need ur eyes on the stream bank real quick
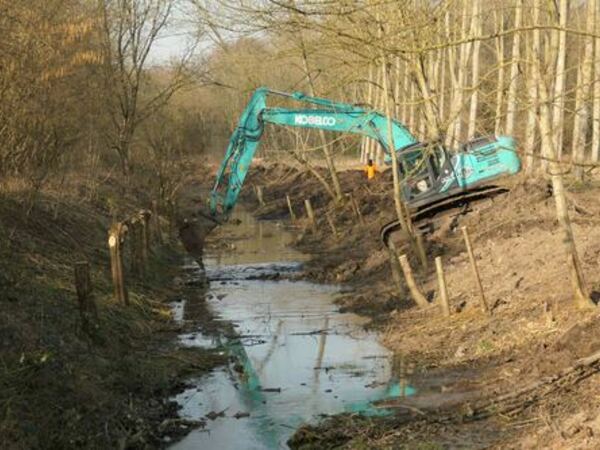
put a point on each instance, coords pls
(107, 386)
(535, 332)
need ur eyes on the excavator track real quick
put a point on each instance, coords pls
(424, 217)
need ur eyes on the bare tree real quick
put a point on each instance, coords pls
(549, 150)
(130, 31)
(337, 188)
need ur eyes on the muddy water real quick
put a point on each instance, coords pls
(296, 357)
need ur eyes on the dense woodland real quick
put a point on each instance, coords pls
(78, 84)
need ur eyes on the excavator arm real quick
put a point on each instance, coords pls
(324, 114)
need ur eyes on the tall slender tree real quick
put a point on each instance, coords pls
(511, 106)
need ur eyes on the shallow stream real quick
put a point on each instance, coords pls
(297, 357)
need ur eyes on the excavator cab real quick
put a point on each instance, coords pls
(421, 166)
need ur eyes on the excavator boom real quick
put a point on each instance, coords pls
(430, 174)
(325, 115)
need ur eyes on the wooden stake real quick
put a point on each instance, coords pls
(415, 293)
(442, 288)
(310, 214)
(483, 301)
(395, 265)
(421, 250)
(331, 224)
(289, 203)
(259, 195)
(83, 285)
(116, 263)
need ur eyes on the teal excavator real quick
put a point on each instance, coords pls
(432, 177)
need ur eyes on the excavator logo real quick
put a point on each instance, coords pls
(321, 121)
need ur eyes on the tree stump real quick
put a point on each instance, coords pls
(115, 241)
(442, 288)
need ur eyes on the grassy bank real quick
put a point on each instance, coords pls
(61, 387)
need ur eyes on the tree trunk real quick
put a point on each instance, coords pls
(406, 94)
(583, 91)
(596, 90)
(411, 110)
(532, 111)
(454, 132)
(366, 142)
(429, 108)
(404, 221)
(511, 107)
(397, 87)
(501, 70)
(337, 188)
(559, 86)
(441, 87)
(549, 149)
(475, 71)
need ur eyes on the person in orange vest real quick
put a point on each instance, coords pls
(370, 170)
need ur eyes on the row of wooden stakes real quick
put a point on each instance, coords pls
(138, 233)
(402, 260)
(418, 296)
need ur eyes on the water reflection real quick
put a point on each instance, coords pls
(296, 359)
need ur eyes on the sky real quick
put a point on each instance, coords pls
(175, 38)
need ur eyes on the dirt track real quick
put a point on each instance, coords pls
(534, 331)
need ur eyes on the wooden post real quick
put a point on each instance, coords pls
(157, 231)
(415, 293)
(310, 214)
(331, 224)
(144, 217)
(83, 285)
(395, 265)
(442, 288)
(421, 250)
(289, 203)
(116, 263)
(483, 301)
(259, 195)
